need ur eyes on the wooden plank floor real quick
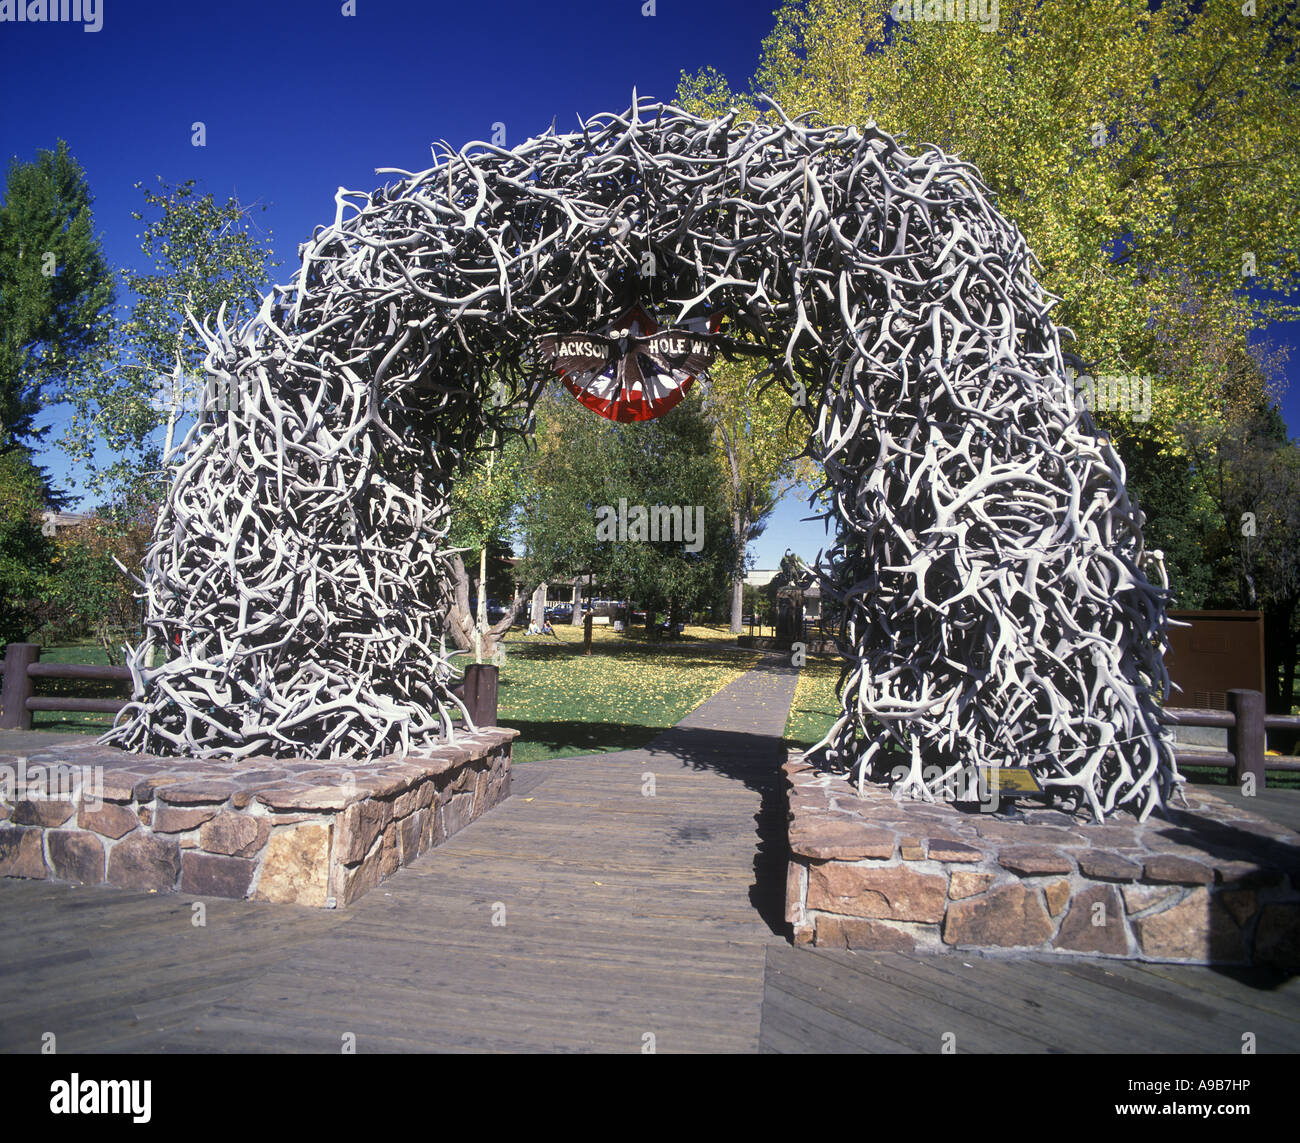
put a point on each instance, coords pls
(625, 916)
(826, 1000)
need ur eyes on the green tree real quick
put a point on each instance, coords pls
(573, 454)
(758, 437)
(756, 604)
(25, 551)
(204, 258)
(482, 503)
(56, 290)
(1147, 155)
(585, 466)
(86, 591)
(1179, 488)
(1182, 521)
(1252, 474)
(1143, 152)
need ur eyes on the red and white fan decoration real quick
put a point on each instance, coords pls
(632, 370)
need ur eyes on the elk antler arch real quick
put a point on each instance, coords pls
(987, 554)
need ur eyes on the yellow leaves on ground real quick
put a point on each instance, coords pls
(816, 704)
(621, 683)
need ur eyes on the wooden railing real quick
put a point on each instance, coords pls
(1247, 726)
(22, 666)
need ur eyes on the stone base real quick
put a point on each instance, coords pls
(1210, 884)
(307, 832)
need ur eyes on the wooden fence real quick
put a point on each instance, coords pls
(22, 667)
(1247, 726)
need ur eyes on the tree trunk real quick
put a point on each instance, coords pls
(739, 533)
(460, 616)
(102, 634)
(461, 623)
(156, 654)
(576, 618)
(737, 603)
(482, 623)
(741, 522)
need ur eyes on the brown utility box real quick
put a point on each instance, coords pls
(1219, 652)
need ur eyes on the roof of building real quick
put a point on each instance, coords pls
(65, 519)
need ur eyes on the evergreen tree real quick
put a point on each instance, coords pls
(584, 468)
(56, 291)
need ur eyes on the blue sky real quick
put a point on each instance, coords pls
(298, 99)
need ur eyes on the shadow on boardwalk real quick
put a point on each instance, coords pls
(752, 759)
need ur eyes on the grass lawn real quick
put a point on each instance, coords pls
(815, 706)
(1218, 776)
(617, 698)
(564, 702)
(604, 633)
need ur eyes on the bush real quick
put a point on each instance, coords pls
(87, 593)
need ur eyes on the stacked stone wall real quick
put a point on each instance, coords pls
(310, 833)
(1211, 884)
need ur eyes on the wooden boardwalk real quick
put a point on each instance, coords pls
(827, 1000)
(625, 916)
